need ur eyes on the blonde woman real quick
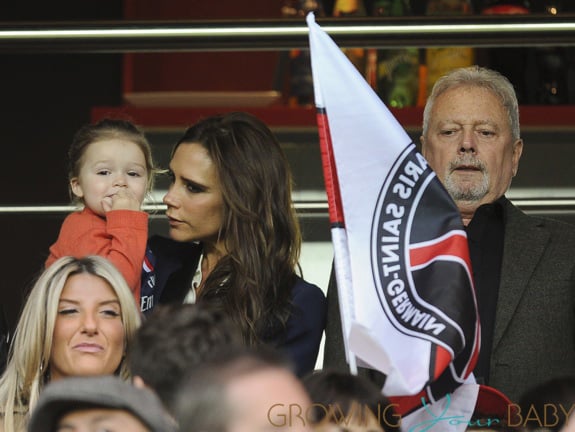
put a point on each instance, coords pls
(78, 320)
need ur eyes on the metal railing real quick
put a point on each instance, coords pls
(308, 209)
(282, 34)
(311, 208)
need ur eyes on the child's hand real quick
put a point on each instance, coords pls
(124, 199)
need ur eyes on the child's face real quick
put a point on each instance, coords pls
(108, 167)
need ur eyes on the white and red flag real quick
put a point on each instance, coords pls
(401, 257)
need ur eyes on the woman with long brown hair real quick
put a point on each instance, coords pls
(230, 202)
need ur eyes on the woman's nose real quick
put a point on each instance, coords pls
(169, 199)
(89, 324)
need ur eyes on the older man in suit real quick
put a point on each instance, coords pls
(523, 266)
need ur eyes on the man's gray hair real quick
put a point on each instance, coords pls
(477, 76)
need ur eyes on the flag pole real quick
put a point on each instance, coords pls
(338, 233)
(342, 263)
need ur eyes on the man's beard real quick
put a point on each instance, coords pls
(467, 192)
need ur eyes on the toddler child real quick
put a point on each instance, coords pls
(110, 171)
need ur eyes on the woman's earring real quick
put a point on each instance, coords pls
(44, 372)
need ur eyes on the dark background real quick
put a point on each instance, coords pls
(45, 99)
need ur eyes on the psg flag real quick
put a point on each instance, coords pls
(400, 250)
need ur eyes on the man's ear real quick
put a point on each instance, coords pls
(517, 151)
(138, 382)
(422, 142)
(76, 188)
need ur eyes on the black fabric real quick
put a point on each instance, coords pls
(175, 265)
(485, 234)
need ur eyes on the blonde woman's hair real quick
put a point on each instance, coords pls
(28, 362)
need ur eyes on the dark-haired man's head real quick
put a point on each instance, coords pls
(174, 340)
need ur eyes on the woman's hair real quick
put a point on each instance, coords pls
(336, 396)
(28, 363)
(108, 129)
(475, 76)
(260, 228)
